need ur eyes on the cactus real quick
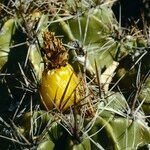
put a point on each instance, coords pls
(71, 77)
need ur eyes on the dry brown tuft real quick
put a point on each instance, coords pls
(55, 54)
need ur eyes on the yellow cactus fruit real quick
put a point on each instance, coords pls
(59, 85)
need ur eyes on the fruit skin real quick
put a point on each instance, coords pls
(59, 88)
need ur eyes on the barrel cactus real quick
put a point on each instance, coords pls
(71, 77)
